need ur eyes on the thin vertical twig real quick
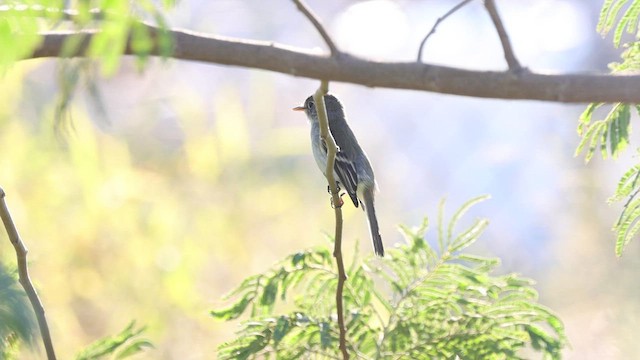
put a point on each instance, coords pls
(318, 25)
(23, 275)
(327, 137)
(440, 19)
(509, 55)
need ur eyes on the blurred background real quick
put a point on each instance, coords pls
(185, 178)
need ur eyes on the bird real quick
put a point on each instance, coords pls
(352, 168)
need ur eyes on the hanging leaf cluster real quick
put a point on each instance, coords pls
(611, 134)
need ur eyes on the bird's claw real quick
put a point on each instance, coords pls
(337, 188)
(340, 201)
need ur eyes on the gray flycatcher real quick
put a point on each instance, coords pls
(352, 168)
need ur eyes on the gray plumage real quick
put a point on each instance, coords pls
(352, 169)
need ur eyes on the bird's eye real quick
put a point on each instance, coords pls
(310, 105)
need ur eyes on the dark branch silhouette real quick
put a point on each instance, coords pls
(318, 25)
(435, 26)
(509, 55)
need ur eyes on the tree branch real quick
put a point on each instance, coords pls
(513, 63)
(23, 276)
(440, 19)
(332, 150)
(567, 88)
(318, 25)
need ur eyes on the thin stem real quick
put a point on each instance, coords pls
(23, 276)
(319, 27)
(440, 19)
(328, 139)
(509, 55)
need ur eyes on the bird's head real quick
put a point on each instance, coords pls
(309, 107)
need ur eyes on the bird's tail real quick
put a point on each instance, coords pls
(373, 222)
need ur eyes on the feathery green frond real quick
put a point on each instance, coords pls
(613, 131)
(123, 345)
(17, 322)
(628, 223)
(628, 22)
(418, 302)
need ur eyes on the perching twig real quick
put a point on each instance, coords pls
(440, 19)
(318, 25)
(23, 276)
(328, 139)
(513, 63)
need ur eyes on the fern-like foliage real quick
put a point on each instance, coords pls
(419, 302)
(611, 134)
(612, 130)
(17, 321)
(628, 222)
(127, 343)
(628, 22)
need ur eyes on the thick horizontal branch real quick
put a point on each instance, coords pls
(567, 88)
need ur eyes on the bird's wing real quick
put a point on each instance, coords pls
(345, 170)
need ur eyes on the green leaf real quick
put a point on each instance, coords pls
(281, 329)
(141, 42)
(468, 237)
(325, 335)
(483, 262)
(18, 35)
(619, 29)
(441, 238)
(269, 293)
(297, 258)
(628, 223)
(612, 11)
(618, 128)
(126, 343)
(631, 17)
(597, 134)
(627, 184)
(234, 311)
(16, 316)
(135, 347)
(604, 23)
(614, 128)
(593, 134)
(461, 212)
(585, 117)
(627, 226)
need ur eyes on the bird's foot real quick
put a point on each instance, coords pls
(337, 187)
(340, 202)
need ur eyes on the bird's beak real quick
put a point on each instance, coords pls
(298, 108)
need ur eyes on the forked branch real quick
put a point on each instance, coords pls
(435, 26)
(509, 55)
(318, 25)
